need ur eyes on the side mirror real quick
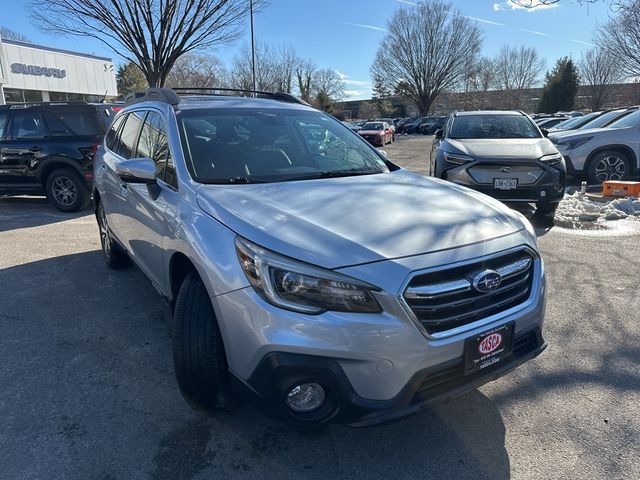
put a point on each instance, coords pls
(545, 132)
(439, 133)
(137, 170)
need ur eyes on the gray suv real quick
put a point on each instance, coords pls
(503, 154)
(305, 271)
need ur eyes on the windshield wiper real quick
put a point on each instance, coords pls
(234, 180)
(333, 174)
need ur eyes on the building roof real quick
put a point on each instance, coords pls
(56, 50)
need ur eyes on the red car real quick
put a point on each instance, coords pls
(377, 134)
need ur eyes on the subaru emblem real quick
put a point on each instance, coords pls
(505, 169)
(487, 281)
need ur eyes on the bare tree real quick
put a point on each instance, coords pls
(305, 71)
(151, 33)
(194, 70)
(8, 34)
(426, 51)
(599, 70)
(328, 83)
(274, 68)
(620, 36)
(517, 70)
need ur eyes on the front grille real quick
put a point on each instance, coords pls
(447, 298)
(526, 173)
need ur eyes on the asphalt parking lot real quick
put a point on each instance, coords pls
(88, 392)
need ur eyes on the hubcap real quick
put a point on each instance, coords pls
(610, 168)
(64, 191)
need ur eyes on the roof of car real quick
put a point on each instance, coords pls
(488, 112)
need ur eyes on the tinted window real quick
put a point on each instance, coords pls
(129, 134)
(3, 123)
(493, 126)
(153, 144)
(603, 120)
(630, 120)
(27, 124)
(243, 145)
(73, 122)
(373, 126)
(112, 134)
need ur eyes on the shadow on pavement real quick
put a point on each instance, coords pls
(87, 380)
(26, 212)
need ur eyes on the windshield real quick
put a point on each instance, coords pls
(602, 120)
(493, 126)
(576, 122)
(630, 120)
(271, 145)
(372, 126)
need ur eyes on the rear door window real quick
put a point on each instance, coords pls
(27, 124)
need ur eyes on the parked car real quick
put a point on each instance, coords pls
(400, 126)
(48, 148)
(430, 126)
(602, 154)
(106, 113)
(599, 121)
(503, 154)
(550, 122)
(322, 285)
(412, 126)
(377, 133)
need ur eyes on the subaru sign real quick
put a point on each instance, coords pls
(37, 71)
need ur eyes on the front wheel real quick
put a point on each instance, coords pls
(114, 257)
(198, 352)
(66, 190)
(609, 165)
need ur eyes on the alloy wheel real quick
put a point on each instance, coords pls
(64, 191)
(610, 167)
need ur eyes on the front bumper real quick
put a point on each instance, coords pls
(278, 372)
(546, 186)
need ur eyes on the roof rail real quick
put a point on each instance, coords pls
(159, 94)
(285, 97)
(43, 104)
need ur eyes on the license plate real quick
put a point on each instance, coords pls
(488, 348)
(505, 183)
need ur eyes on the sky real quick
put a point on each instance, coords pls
(345, 34)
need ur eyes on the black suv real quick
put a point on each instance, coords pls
(48, 148)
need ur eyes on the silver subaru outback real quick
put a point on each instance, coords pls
(305, 271)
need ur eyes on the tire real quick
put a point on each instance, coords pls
(198, 352)
(114, 257)
(66, 190)
(608, 165)
(546, 209)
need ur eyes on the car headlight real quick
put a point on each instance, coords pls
(301, 287)
(457, 158)
(571, 144)
(552, 159)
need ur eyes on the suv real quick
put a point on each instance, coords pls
(601, 154)
(315, 278)
(48, 149)
(503, 154)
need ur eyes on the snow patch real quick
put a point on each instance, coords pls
(578, 211)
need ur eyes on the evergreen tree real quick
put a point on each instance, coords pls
(561, 87)
(130, 79)
(324, 102)
(381, 94)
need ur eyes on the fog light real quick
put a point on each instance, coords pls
(305, 397)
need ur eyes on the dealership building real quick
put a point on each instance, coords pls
(33, 73)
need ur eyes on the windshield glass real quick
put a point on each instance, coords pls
(271, 145)
(602, 120)
(372, 126)
(630, 120)
(493, 126)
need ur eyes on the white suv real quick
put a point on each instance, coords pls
(602, 154)
(305, 271)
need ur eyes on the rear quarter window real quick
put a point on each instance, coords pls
(72, 123)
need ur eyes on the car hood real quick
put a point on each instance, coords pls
(353, 220)
(512, 148)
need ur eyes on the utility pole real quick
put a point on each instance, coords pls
(253, 47)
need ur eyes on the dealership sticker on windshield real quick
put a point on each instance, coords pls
(488, 348)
